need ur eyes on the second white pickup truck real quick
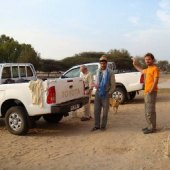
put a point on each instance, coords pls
(127, 83)
(24, 98)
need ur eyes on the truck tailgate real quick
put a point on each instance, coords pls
(69, 89)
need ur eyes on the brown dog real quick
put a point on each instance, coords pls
(114, 103)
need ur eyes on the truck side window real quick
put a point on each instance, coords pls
(92, 69)
(73, 73)
(22, 71)
(15, 72)
(6, 73)
(29, 72)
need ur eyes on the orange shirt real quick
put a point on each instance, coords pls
(151, 73)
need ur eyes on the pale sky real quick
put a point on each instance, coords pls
(62, 28)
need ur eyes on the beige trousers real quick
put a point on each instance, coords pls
(150, 110)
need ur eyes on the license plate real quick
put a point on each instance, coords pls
(74, 107)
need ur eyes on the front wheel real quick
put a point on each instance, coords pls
(17, 121)
(53, 118)
(120, 94)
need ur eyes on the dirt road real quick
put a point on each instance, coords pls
(70, 144)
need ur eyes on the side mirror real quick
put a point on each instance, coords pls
(62, 76)
(115, 71)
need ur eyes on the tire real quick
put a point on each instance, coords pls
(131, 95)
(53, 118)
(17, 121)
(120, 94)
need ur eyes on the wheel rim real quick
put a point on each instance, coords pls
(117, 95)
(15, 121)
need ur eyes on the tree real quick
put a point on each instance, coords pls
(28, 55)
(121, 58)
(49, 65)
(163, 65)
(12, 51)
(81, 58)
(9, 49)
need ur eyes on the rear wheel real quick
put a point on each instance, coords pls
(53, 118)
(120, 94)
(17, 121)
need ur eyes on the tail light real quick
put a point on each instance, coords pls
(142, 79)
(51, 97)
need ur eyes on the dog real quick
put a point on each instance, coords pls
(114, 103)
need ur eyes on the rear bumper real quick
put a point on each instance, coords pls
(69, 106)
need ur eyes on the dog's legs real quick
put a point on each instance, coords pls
(116, 110)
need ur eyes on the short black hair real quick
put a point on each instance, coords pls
(101, 61)
(150, 55)
(103, 58)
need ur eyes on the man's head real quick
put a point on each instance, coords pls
(83, 69)
(103, 62)
(149, 59)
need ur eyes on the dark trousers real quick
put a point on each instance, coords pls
(101, 106)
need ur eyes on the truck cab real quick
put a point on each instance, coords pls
(92, 67)
(16, 72)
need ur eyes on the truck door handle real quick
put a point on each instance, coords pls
(71, 86)
(69, 80)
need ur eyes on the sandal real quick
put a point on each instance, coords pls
(85, 118)
(94, 129)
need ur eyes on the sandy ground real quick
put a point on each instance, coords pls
(70, 145)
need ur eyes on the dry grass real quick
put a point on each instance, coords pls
(164, 77)
(166, 90)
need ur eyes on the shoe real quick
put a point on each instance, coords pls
(90, 117)
(144, 129)
(85, 118)
(95, 128)
(147, 131)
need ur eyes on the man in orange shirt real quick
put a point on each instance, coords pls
(150, 92)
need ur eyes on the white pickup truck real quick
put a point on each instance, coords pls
(24, 98)
(127, 83)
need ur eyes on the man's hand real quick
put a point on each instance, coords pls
(136, 66)
(134, 60)
(94, 85)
